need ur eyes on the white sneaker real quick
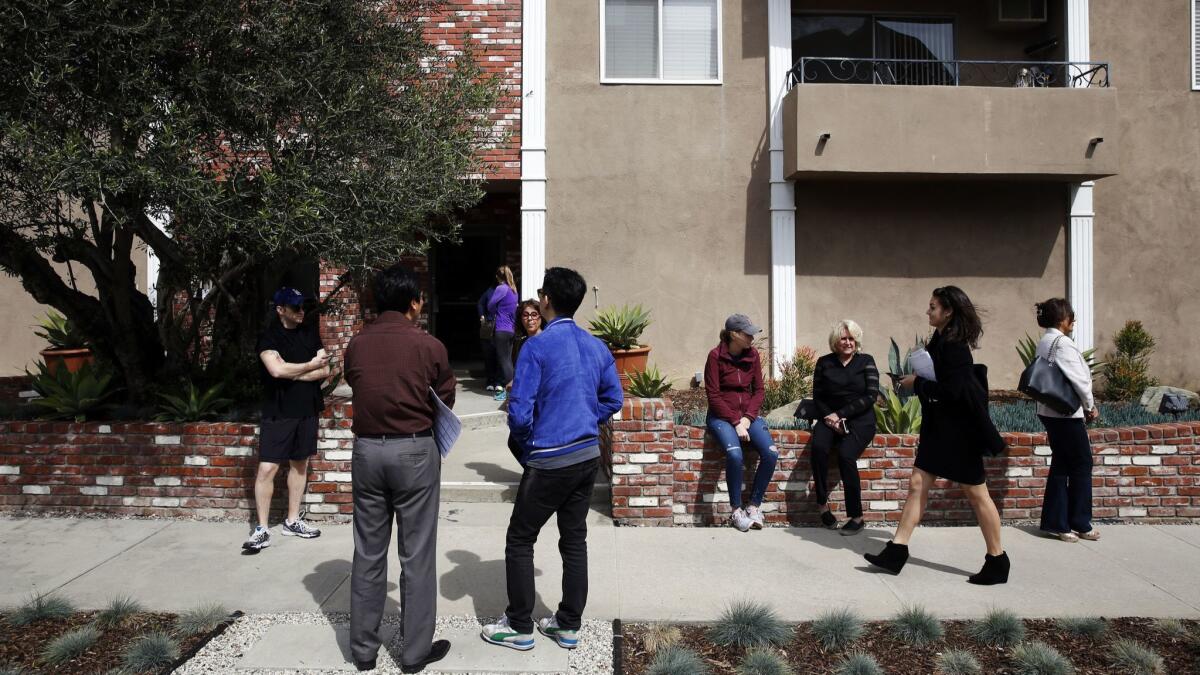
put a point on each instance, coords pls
(756, 517)
(740, 520)
(567, 639)
(500, 633)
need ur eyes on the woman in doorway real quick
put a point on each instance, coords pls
(530, 324)
(956, 432)
(1067, 503)
(845, 384)
(503, 307)
(734, 386)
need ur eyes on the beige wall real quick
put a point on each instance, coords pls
(658, 194)
(1146, 244)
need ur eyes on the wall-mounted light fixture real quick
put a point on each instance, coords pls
(825, 137)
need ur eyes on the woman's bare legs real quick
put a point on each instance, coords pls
(914, 505)
(987, 515)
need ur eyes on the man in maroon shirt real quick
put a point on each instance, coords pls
(392, 365)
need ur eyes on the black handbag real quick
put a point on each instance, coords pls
(1043, 382)
(807, 410)
(487, 329)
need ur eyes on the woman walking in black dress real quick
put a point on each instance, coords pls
(956, 431)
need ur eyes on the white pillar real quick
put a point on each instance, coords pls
(533, 146)
(783, 193)
(1079, 197)
(160, 221)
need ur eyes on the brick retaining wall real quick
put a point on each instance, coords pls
(666, 474)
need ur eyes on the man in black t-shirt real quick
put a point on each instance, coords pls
(293, 366)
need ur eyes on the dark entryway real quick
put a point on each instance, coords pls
(461, 273)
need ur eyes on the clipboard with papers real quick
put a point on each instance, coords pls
(446, 425)
(922, 365)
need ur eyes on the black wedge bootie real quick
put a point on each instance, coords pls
(891, 558)
(995, 570)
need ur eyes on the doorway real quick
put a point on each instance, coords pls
(461, 273)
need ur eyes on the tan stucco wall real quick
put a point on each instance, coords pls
(658, 194)
(1146, 242)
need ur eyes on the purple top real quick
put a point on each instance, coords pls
(503, 306)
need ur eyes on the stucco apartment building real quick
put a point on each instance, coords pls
(803, 161)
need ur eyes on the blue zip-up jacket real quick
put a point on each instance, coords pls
(565, 386)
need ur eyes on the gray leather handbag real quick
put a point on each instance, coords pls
(1043, 382)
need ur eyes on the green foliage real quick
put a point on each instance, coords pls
(40, 608)
(898, 416)
(192, 405)
(837, 628)
(1130, 657)
(72, 396)
(1127, 371)
(675, 660)
(858, 663)
(958, 662)
(1023, 416)
(69, 645)
(6, 669)
(764, 662)
(916, 626)
(60, 332)
(1083, 626)
(151, 652)
(119, 608)
(794, 381)
(1173, 628)
(899, 366)
(746, 623)
(202, 619)
(620, 327)
(648, 383)
(1039, 658)
(998, 628)
(1027, 350)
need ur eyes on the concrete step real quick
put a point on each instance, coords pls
(492, 492)
(484, 420)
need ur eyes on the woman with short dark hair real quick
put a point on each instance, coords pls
(1067, 501)
(956, 432)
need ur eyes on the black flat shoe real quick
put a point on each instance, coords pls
(891, 558)
(365, 665)
(829, 520)
(437, 652)
(852, 527)
(994, 571)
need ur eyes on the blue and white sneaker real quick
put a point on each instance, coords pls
(259, 539)
(567, 639)
(500, 633)
(299, 528)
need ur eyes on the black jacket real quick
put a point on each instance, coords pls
(954, 411)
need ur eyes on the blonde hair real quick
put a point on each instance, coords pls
(505, 276)
(849, 326)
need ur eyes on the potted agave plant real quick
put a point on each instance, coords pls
(620, 328)
(68, 347)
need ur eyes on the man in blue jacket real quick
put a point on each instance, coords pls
(565, 386)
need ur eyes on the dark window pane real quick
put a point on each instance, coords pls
(832, 36)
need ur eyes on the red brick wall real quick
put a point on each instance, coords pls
(667, 474)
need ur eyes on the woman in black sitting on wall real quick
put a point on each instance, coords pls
(845, 384)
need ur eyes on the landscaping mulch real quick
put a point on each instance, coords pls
(1090, 657)
(22, 645)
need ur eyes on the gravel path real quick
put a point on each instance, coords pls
(592, 657)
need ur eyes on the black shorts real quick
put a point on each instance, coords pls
(283, 438)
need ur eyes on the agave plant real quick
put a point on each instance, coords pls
(60, 332)
(621, 327)
(74, 396)
(899, 366)
(1027, 350)
(192, 405)
(898, 417)
(649, 383)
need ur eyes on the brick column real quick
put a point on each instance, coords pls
(643, 466)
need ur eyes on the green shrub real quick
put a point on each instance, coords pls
(119, 608)
(764, 662)
(1172, 628)
(794, 381)
(1126, 374)
(1027, 350)
(915, 626)
(153, 651)
(958, 662)
(745, 623)
(648, 383)
(192, 405)
(70, 645)
(1089, 627)
(837, 628)
(858, 663)
(676, 660)
(620, 328)
(6, 669)
(896, 415)
(72, 396)
(40, 608)
(201, 619)
(1130, 657)
(999, 628)
(60, 332)
(1039, 658)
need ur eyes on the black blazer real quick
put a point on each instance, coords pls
(954, 411)
(848, 390)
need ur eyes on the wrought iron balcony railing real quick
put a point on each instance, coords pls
(948, 73)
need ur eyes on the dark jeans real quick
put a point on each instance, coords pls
(490, 372)
(849, 448)
(544, 492)
(1067, 504)
(502, 343)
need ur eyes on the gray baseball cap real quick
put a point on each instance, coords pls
(742, 323)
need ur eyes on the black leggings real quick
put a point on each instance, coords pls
(502, 342)
(849, 448)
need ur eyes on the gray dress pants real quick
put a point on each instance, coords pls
(401, 478)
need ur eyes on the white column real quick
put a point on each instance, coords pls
(160, 221)
(783, 193)
(533, 146)
(1079, 197)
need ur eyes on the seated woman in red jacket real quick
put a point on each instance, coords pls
(733, 383)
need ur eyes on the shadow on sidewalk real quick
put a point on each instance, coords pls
(870, 540)
(484, 581)
(313, 583)
(494, 472)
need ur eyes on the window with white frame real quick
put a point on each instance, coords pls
(660, 41)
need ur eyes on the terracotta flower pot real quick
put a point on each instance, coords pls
(71, 359)
(630, 361)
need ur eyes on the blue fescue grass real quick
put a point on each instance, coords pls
(676, 660)
(40, 608)
(119, 608)
(201, 619)
(859, 663)
(762, 661)
(745, 623)
(1039, 658)
(836, 628)
(1133, 659)
(152, 651)
(69, 645)
(916, 626)
(999, 628)
(1083, 626)
(958, 662)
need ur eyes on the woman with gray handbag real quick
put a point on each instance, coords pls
(1067, 503)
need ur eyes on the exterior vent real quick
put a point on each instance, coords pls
(1022, 11)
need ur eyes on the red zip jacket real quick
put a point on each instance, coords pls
(734, 389)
